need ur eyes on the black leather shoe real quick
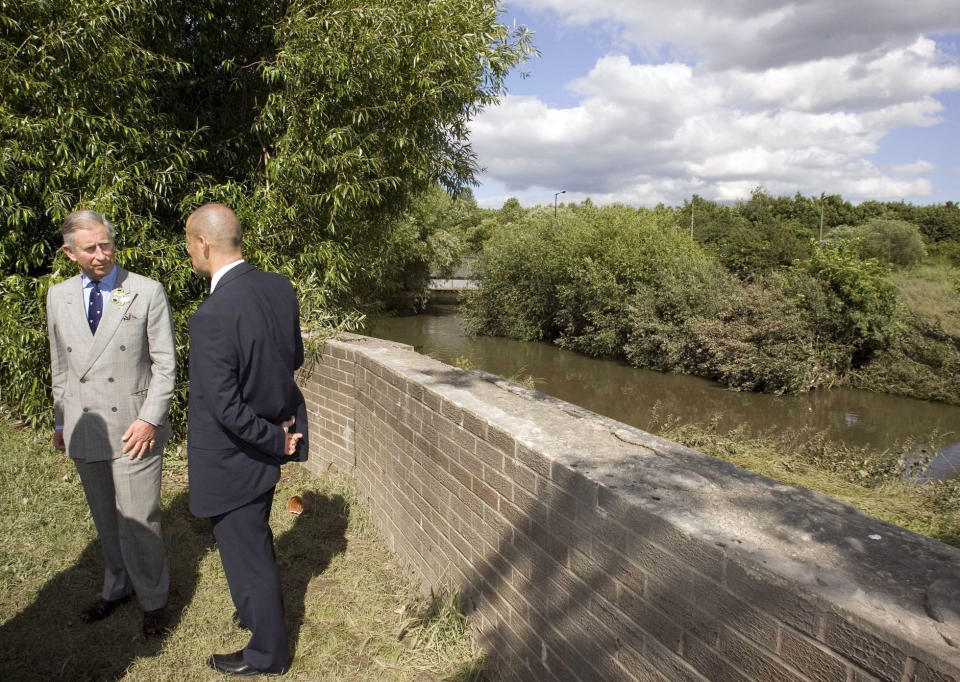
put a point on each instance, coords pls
(233, 664)
(238, 621)
(154, 622)
(102, 608)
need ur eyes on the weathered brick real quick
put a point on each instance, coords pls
(498, 482)
(520, 474)
(451, 411)
(533, 460)
(413, 389)
(532, 506)
(533, 565)
(651, 620)
(585, 568)
(708, 662)
(815, 660)
(924, 673)
(672, 666)
(574, 483)
(489, 455)
(486, 494)
(556, 499)
(514, 515)
(470, 501)
(548, 542)
(609, 669)
(672, 594)
(431, 400)
(501, 440)
(499, 525)
(465, 439)
(881, 657)
(773, 595)
(735, 613)
(757, 662)
(563, 658)
(658, 563)
(474, 425)
(639, 668)
(471, 463)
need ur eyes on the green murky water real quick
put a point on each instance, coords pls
(629, 395)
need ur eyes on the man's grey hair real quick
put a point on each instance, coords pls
(79, 219)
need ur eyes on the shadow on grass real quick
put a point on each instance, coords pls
(305, 550)
(473, 671)
(47, 640)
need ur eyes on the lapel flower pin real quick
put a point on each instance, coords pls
(120, 298)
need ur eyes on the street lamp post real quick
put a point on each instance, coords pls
(555, 195)
(821, 216)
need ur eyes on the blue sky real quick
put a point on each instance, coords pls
(643, 101)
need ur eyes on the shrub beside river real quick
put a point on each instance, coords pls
(632, 284)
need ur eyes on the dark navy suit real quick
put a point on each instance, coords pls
(245, 345)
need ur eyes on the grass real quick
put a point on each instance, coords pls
(931, 290)
(352, 612)
(877, 483)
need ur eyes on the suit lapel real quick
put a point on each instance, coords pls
(75, 311)
(113, 313)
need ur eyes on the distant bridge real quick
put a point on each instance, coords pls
(446, 290)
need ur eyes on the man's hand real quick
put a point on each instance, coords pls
(138, 438)
(58, 440)
(292, 438)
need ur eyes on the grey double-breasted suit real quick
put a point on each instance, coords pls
(101, 383)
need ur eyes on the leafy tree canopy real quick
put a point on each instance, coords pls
(318, 121)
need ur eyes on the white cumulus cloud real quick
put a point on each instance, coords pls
(791, 96)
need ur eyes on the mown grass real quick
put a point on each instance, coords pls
(352, 612)
(879, 484)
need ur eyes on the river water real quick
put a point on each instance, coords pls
(629, 395)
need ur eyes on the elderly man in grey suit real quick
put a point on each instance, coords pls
(112, 355)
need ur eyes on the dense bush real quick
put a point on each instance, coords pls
(895, 242)
(924, 363)
(856, 304)
(619, 282)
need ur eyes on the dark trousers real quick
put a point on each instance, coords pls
(245, 542)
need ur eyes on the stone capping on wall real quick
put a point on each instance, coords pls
(587, 549)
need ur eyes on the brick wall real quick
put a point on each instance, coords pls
(589, 550)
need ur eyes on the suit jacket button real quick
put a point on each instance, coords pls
(123, 348)
(110, 380)
(113, 409)
(83, 381)
(69, 349)
(86, 409)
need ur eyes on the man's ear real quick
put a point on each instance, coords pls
(66, 250)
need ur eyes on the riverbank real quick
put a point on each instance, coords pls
(352, 613)
(614, 282)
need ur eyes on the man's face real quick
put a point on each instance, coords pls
(92, 249)
(195, 250)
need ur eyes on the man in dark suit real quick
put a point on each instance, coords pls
(246, 417)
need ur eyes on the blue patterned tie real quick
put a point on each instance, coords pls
(95, 309)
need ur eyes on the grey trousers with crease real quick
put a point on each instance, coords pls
(124, 500)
